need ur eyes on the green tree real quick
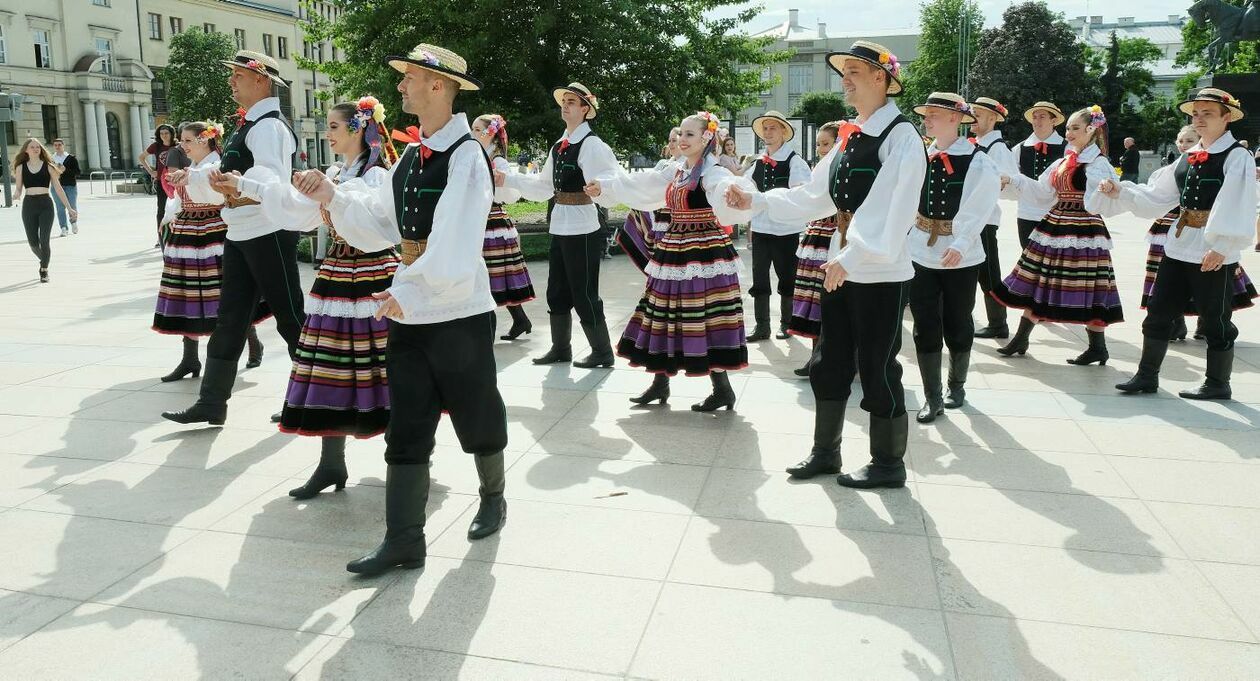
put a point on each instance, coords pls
(196, 83)
(1195, 38)
(945, 24)
(818, 108)
(1032, 56)
(1125, 88)
(650, 62)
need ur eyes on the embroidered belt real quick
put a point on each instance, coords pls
(934, 227)
(1194, 219)
(239, 201)
(573, 199)
(843, 218)
(412, 249)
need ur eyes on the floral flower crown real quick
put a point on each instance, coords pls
(889, 61)
(1097, 118)
(711, 125)
(368, 110)
(213, 131)
(496, 124)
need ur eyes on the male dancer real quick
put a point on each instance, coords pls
(775, 242)
(959, 192)
(1043, 147)
(259, 258)
(875, 184)
(577, 238)
(440, 354)
(989, 113)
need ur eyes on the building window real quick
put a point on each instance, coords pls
(240, 38)
(155, 26)
(306, 49)
(208, 27)
(158, 88)
(51, 132)
(177, 25)
(285, 94)
(43, 48)
(105, 48)
(282, 43)
(800, 78)
(267, 45)
(101, 3)
(766, 75)
(3, 53)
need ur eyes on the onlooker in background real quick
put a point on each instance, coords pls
(163, 141)
(729, 159)
(36, 175)
(1130, 161)
(69, 166)
(176, 159)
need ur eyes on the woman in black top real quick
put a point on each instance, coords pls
(163, 141)
(37, 175)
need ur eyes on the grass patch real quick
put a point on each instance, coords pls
(522, 208)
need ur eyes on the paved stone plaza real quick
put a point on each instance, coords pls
(1052, 529)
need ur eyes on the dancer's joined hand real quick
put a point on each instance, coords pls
(1110, 188)
(593, 189)
(952, 258)
(314, 185)
(177, 178)
(500, 178)
(1212, 261)
(389, 306)
(836, 275)
(738, 198)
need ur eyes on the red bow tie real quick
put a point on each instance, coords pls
(847, 132)
(944, 157)
(1070, 162)
(971, 139)
(240, 116)
(1042, 148)
(425, 152)
(769, 161)
(410, 135)
(564, 144)
(1197, 158)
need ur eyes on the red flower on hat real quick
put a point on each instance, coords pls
(1000, 109)
(253, 64)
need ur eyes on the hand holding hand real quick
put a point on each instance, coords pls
(315, 186)
(177, 178)
(1006, 180)
(835, 276)
(1110, 188)
(500, 178)
(738, 198)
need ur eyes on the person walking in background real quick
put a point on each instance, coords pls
(69, 167)
(163, 141)
(37, 176)
(1130, 161)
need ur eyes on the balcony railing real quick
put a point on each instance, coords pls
(115, 85)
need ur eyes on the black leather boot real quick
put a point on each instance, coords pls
(190, 364)
(659, 390)
(803, 372)
(492, 512)
(406, 495)
(331, 471)
(722, 395)
(824, 458)
(601, 356)
(933, 403)
(1096, 352)
(996, 326)
(761, 317)
(1146, 380)
(959, 364)
(211, 405)
(1220, 365)
(1198, 329)
(520, 323)
(1179, 331)
(561, 335)
(1019, 344)
(255, 349)
(785, 316)
(888, 452)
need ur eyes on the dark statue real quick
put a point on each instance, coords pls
(1233, 24)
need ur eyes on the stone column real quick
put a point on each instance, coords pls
(92, 147)
(102, 136)
(137, 133)
(146, 132)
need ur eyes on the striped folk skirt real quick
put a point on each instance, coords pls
(1157, 236)
(509, 278)
(192, 265)
(1065, 272)
(338, 385)
(806, 318)
(636, 238)
(690, 318)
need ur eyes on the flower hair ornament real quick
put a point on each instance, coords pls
(889, 61)
(711, 125)
(369, 116)
(497, 128)
(213, 131)
(1097, 118)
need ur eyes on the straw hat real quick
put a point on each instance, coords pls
(992, 105)
(1211, 94)
(758, 124)
(1048, 107)
(257, 63)
(438, 60)
(583, 93)
(948, 101)
(874, 54)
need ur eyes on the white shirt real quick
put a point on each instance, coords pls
(597, 162)
(272, 146)
(60, 159)
(798, 174)
(505, 194)
(1230, 223)
(1004, 160)
(450, 280)
(877, 250)
(980, 190)
(1030, 207)
(283, 204)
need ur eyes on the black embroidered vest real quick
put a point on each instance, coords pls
(236, 154)
(566, 175)
(942, 192)
(1199, 184)
(853, 170)
(768, 177)
(419, 183)
(1033, 164)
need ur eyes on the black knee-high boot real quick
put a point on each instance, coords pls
(1220, 365)
(406, 495)
(1019, 344)
(659, 390)
(722, 395)
(1096, 352)
(824, 457)
(492, 512)
(331, 471)
(190, 364)
(255, 349)
(520, 323)
(1146, 380)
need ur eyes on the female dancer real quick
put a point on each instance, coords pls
(339, 386)
(192, 258)
(509, 278)
(164, 139)
(37, 175)
(690, 318)
(1065, 273)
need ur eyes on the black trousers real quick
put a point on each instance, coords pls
(779, 251)
(263, 267)
(990, 274)
(449, 367)
(941, 302)
(573, 277)
(1026, 228)
(161, 201)
(37, 217)
(865, 318)
(1213, 292)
